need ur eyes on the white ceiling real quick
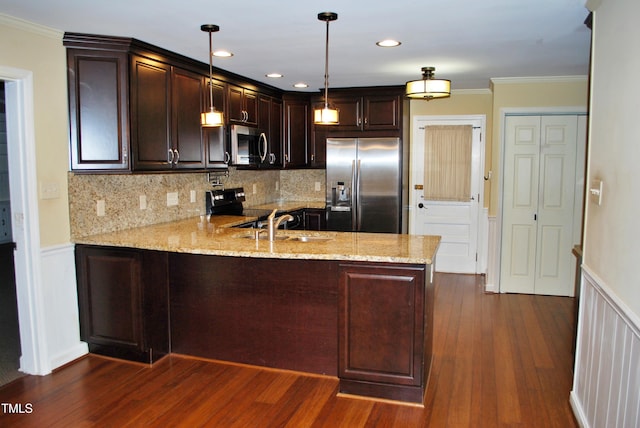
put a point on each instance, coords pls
(468, 41)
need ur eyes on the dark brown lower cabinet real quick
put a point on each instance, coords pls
(267, 312)
(315, 219)
(123, 302)
(384, 328)
(370, 324)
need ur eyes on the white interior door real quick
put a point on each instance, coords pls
(456, 222)
(539, 189)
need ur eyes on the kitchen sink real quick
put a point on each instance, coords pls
(310, 238)
(297, 238)
(264, 237)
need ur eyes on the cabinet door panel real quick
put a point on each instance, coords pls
(234, 106)
(297, 131)
(151, 114)
(381, 113)
(315, 219)
(275, 132)
(187, 90)
(110, 294)
(251, 107)
(123, 301)
(214, 139)
(381, 324)
(350, 111)
(99, 118)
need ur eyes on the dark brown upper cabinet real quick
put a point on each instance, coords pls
(297, 117)
(367, 113)
(242, 105)
(131, 108)
(270, 121)
(166, 103)
(365, 109)
(215, 139)
(98, 110)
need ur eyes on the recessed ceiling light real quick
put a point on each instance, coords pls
(274, 75)
(222, 54)
(388, 43)
(301, 85)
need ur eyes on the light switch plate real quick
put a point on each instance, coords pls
(595, 192)
(143, 202)
(49, 190)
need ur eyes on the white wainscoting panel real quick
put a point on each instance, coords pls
(61, 305)
(606, 384)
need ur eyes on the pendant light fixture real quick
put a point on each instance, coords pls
(212, 117)
(325, 115)
(428, 88)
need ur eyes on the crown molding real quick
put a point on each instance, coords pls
(479, 91)
(538, 79)
(21, 24)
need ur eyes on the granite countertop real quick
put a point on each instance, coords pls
(217, 237)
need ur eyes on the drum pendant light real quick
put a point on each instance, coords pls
(211, 117)
(325, 115)
(428, 88)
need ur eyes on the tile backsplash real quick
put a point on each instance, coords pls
(106, 203)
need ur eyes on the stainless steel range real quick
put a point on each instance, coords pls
(230, 202)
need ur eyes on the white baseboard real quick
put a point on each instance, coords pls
(69, 355)
(577, 410)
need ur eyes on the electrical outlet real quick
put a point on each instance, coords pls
(100, 208)
(143, 202)
(172, 199)
(193, 196)
(277, 186)
(317, 186)
(255, 188)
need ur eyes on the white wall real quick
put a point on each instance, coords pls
(607, 375)
(32, 60)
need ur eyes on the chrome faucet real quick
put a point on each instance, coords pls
(275, 222)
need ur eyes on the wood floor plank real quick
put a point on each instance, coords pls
(498, 360)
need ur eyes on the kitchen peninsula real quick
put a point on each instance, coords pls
(354, 305)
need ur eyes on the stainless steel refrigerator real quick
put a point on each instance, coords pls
(364, 184)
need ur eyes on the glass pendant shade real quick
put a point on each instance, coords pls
(325, 116)
(212, 117)
(428, 88)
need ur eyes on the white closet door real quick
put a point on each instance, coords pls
(539, 204)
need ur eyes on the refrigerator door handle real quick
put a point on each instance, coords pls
(358, 217)
(354, 195)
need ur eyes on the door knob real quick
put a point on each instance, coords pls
(420, 205)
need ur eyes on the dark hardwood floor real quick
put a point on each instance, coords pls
(499, 360)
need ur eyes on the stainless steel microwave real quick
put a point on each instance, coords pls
(248, 145)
